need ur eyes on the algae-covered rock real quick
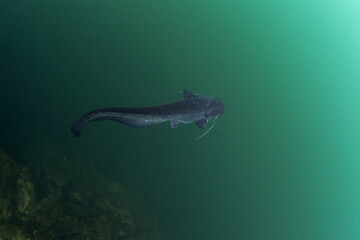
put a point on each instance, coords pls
(62, 199)
(11, 232)
(17, 197)
(9, 170)
(25, 196)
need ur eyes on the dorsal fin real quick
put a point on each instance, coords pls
(189, 95)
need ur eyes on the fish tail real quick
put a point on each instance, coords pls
(77, 126)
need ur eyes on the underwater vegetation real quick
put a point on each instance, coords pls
(63, 199)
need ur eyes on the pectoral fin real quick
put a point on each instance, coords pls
(202, 123)
(174, 124)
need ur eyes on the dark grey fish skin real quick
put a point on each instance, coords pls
(191, 110)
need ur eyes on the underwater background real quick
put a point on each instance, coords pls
(282, 163)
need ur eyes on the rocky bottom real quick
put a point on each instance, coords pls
(63, 199)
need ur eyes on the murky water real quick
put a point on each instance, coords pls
(282, 162)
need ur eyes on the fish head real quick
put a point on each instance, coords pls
(216, 107)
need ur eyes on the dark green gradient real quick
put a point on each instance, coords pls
(283, 161)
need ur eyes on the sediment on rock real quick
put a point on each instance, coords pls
(63, 199)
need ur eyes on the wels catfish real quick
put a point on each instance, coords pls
(192, 109)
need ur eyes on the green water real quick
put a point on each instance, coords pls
(283, 161)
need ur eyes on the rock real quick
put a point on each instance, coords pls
(63, 199)
(9, 173)
(10, 231)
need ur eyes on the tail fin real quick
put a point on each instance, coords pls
(78, 126)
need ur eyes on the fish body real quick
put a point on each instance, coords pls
(192, 109)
